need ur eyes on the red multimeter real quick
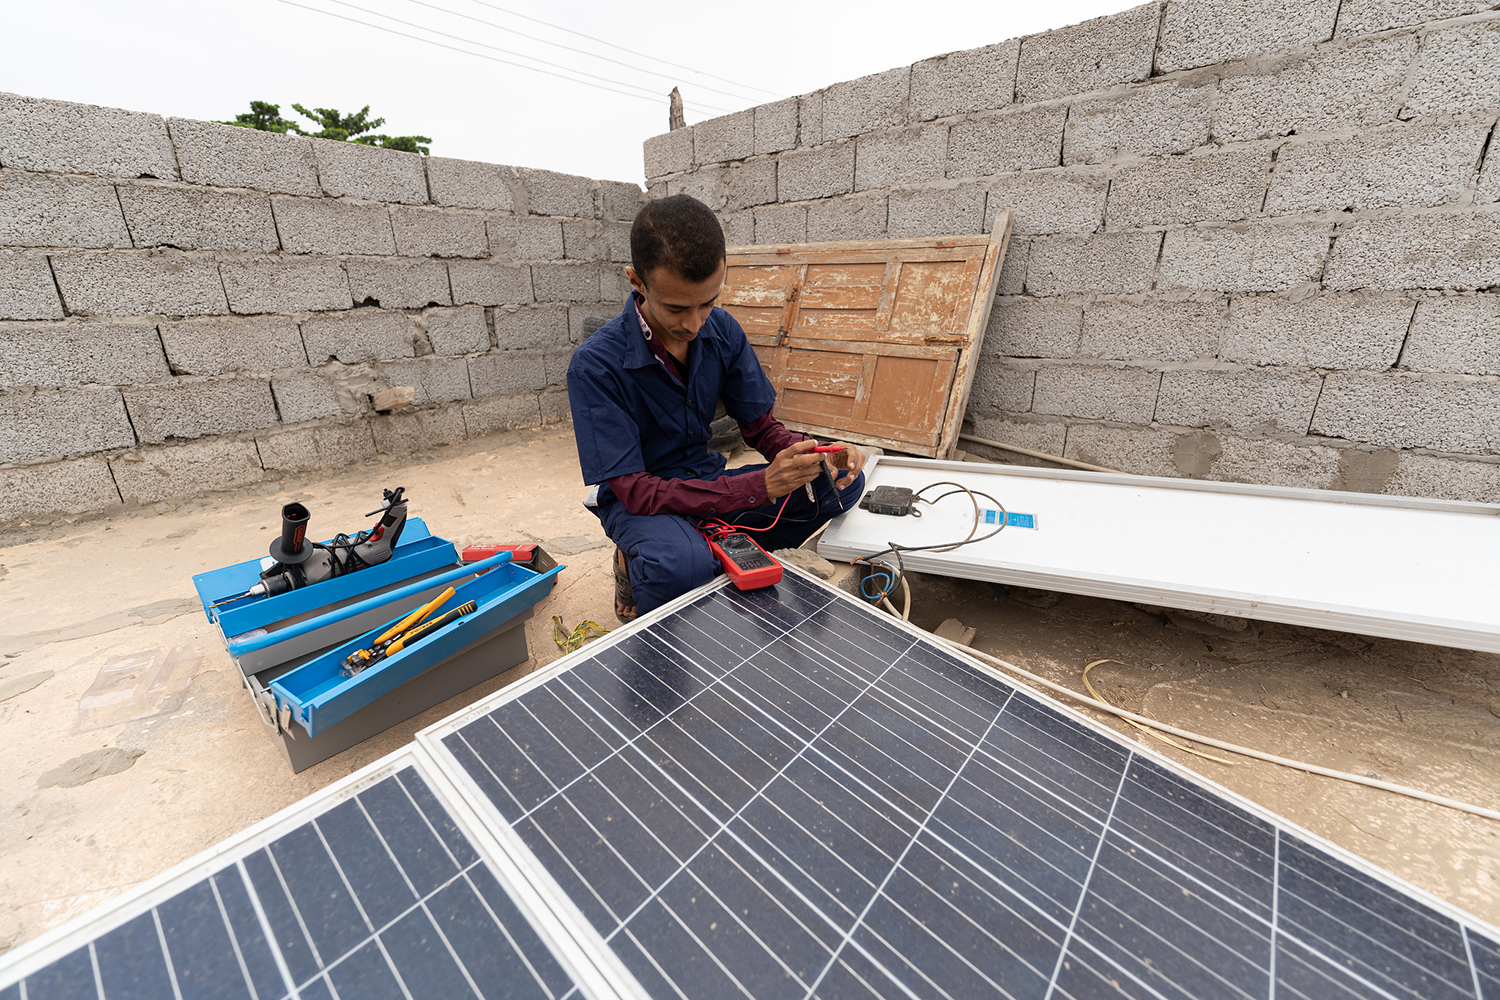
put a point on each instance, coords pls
(748, 565)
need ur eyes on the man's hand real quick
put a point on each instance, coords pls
(851, 459)
(792, 469)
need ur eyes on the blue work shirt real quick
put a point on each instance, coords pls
(631, 415)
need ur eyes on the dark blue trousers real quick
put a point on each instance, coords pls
(668, 557)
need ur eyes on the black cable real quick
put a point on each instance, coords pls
(897, 549)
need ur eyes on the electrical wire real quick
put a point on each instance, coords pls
(896, 549)
(569, 48)
(621, 48)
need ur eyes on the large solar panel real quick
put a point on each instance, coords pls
(768, 794)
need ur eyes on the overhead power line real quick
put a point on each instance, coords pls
(634, 67)
(643, 55)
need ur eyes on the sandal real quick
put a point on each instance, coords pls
(624, 597)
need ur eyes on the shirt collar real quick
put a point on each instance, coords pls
(639, 348)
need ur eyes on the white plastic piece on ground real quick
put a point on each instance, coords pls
(1415, 569)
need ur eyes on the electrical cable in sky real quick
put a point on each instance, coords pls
(646, 91)
(601, 41)
(633, 67)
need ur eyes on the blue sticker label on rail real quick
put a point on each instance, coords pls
(1012, 519)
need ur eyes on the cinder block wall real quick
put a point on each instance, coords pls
(1254, 240)
(188, 306)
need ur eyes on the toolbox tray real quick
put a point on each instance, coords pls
(317, 695)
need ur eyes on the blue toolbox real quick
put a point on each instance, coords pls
(291, 647)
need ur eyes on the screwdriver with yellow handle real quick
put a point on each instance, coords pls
(360, 658)
(407, 638)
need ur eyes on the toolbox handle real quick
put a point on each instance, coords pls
(360, 607)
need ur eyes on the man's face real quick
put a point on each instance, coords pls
(676, 307)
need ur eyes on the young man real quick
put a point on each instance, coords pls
(644, 389)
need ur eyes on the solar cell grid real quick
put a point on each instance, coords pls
(776, 794)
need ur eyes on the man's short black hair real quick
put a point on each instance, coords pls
(679, 233)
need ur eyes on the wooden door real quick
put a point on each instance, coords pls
(873, 342)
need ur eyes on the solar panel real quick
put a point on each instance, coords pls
(781, 794)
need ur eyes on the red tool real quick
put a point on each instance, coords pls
(825, 449)
(519, 553)
(748, 565)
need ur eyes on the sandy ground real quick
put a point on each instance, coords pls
(75, 596)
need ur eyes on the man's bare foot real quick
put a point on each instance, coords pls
(624, 598)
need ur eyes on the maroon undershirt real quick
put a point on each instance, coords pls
(643, 493)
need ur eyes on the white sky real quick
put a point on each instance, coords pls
(208, 58)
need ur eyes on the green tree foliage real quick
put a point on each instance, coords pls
(357, 127)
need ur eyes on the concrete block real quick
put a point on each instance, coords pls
(360, 335)
(1103, 264)
(436, 380)
(960, 83)
(584, 320)
(1397, 166)
(1275, 463)
(552, 193)
(191, 408)
(1212, 186)
(1020, 138)
(1143, 451)
(613, 285)
(783, 224)
(471, 184)
(1363, 17)
(355, 170)
(56, 423)
(1097, 392)
(1140, 328)
(1247, 257)
(408, 431)
(386, 400)
(438, 232)
(398, 282)
(1051, 201)
(74, 353)
(152, 475)
(565, 281)
(620, 201)
(138, 282)
(285, 284)
(855, 107)
(815, 173)
(308, 395)
(1489, 181)
(42, 210)
(1024, 327)
(506, 373)
(555, 365)
(999, 385)
(901, 156)
(669, 153)
(730, 187)
(1089, 56)
(1013, 267)
(593, 239)
(323, 447)
(1197, 34)
(502, 413)
(163, 214)
(1323, 331)
(38, 134)
(729, 137)
(322, 225)
(810, 119)
(739, 230)
(77, 487)
(854, 217)
(1460, 335)
(1457, 413)
(1354, 86)
(951, 208)
(1455, 71)
(1442, 479)
(1157, 120)
(519, 327)
(555, 407)
(216, 345)
(525, 237)
(1023, 432)
(457, 331)
(27, 290)
(775, 126)
(489, 283)
(1258, 400)
(231, 156)
(1427, 251)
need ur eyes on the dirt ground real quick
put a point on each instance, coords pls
(86, 813)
